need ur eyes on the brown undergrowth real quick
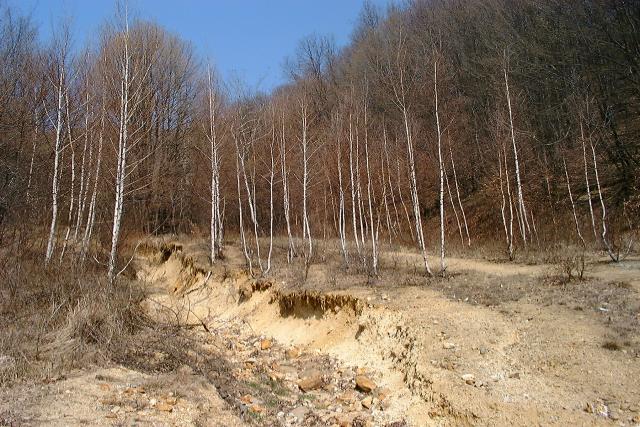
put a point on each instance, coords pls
(61, 317)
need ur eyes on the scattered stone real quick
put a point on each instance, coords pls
(367, 402)
(448, 345)
(292, 353)
(349, 397)
(483, 350)
(265, 344)
(311, 379)
(469, 379)
(363, 383)
(515, 375)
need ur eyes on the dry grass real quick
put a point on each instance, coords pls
(60, 317)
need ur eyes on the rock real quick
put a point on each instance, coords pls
(515, 375)
(311, 379)
(448, 345)
(300, 412)
(483, 350)
(349, 397)
(292, 353)
(367, 402)
(265, 344)
(469, 379)
(363, 383)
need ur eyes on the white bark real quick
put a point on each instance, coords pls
(73, 181)
(510, 200)
(522, 212)
(216, 222)
(453, 206)
(342, 226)
(354, 200)
(573, 205)
(504, 202)
(121, 159)
(605, 241)
(586, 181)
(91, 216)
(374, 238)
(306, 228)
(455, 180)
(272, 174)
(56, 160)
(443, 266)
(291, 250)
(414, 193)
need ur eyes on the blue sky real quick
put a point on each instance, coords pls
(248, 39)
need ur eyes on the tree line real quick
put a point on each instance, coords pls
(441, 123)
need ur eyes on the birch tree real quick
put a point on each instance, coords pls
(214, 144)
(60, 82)
(443, 266)
(522, 212)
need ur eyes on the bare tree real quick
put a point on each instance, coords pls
(216, 218)
(573, 205)
(443, 266)
(522, 212)
(291, 249)
(61, 58)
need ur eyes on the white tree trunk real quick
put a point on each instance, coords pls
(573, 205)
(443, 266)
(306, 228)
(56, 164)
(373, 231)
(121, 159)
(91, 216)
(522, 212)
(605, 241)
(291, 249)
(586, 181)
(455, 179)
(414, 193)
(216, 223)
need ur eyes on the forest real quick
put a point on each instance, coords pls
(429, 125)
(506, 130)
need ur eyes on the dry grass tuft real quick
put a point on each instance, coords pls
(60, 317)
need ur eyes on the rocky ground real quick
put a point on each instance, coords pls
(491, 344)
